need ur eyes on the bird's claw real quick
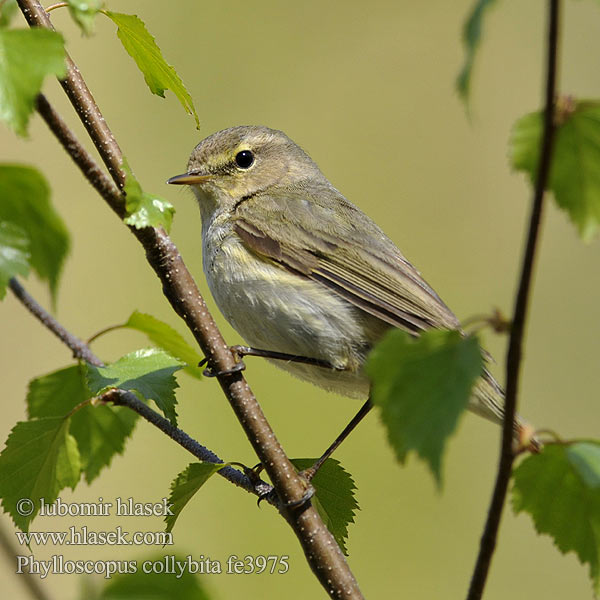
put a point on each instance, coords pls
(210, 372)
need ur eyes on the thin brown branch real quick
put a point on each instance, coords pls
(82, 351)
(103, 184)
(124, 398)
(29, 580)
(322, 552)
(513, 360)
(79, 348)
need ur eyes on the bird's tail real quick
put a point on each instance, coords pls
(488, 401)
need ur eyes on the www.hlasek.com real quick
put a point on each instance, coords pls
(169, 565)
(82, 536)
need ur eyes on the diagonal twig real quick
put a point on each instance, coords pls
(322, 552)
(121, 397)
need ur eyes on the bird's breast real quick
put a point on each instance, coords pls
(275, 309)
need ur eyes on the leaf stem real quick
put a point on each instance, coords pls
(57, 5)
(513, 360)
(103, 331)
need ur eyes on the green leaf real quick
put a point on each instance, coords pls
(145, 210)
(471, 37)
(26, 57)
(158, 74)
(574, 175)
(14, 254)
(84, 13)
(560, 489)
(25, 202)
(100, 430)
(40, 459)
(150, 585)
(7, 11)
(148, 372)
(186, 484)
(334, 496)
(168, 339)
(422, 387)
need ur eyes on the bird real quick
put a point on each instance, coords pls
(300, 272)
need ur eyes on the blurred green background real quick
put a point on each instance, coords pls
(368, 90)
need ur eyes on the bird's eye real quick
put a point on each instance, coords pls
(244, 159)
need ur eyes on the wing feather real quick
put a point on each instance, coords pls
(344, 250)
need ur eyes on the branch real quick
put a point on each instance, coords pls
(513, 360)
(79, 348)
(124, 398)
(322, 552)
(31, 581)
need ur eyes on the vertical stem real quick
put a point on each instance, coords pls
(513, 360)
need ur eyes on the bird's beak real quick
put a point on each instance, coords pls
(188, 179)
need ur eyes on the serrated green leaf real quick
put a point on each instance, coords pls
(158, 74)
(471, 36)
(150, 585)
(26, 57)
(14, 254)
(186, 484)
(25, 202)
(422, 386)
(334, 496)
(7, 11)
(585, 458)
(148, 372)
(84, 13)
(574, 176)
(40, 459)
(145, 210)
(559, 489)
(100, 430)
(166, 337)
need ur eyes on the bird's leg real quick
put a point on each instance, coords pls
(241, 351)
(309, 473)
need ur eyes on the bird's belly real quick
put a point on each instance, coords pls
(274, 309)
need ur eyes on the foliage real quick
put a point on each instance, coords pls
(574, 174)
(560, 489)
(26, 57)
(99, 430)
(471, 36)
(150, 585)
(422, 386)
(145, 210)
(165, 337)
(334, 496)
(185, 486)
(40, 459)
(158, 74)
(25, 203)
(148, 373)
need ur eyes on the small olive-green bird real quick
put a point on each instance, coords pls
(298, 269)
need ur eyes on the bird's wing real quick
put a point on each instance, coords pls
(341, 249)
